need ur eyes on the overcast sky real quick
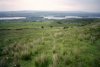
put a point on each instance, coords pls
(50, 5)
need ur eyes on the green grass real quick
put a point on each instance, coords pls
(30, 45)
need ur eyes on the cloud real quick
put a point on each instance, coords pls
(52, 5)
(84, 5)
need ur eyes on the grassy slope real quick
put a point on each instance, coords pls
(29, 45)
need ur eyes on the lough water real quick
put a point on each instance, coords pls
(69, 17)
(11, 18)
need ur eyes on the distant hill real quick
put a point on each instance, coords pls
(45, 13)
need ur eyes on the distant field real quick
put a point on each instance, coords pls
(50, 44)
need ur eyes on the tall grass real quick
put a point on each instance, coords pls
(49, 45)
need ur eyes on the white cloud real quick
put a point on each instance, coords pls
(53, 5)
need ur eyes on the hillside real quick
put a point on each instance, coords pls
(50, 44)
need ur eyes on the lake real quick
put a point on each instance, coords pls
(69, 17)
(11, 18)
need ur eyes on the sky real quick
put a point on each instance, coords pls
(50, 5)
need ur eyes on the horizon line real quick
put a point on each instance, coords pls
(48, 11)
